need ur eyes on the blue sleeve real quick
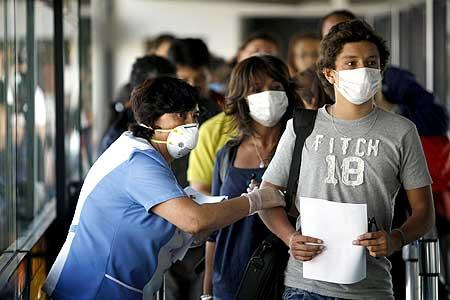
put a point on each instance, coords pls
(216, 181)
(150, 181)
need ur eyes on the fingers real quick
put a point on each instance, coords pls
(371, 235)
(367, 243)
(252, 186)
(375, 242)
(303, 256)
(304, 248)
(308, 239)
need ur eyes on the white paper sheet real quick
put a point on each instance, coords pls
(201, 198)
(189, 239)
(337, 225)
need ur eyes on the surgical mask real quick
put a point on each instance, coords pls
(358, 85)
(181, 139)
(267, 108)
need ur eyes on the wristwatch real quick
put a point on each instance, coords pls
(206, 297)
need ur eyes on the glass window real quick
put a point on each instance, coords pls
(413, 41)
(4, 216)
(44, 100)
(383, 25)
(86, 123)
(34, 82)
(7, 155)
(71, 91)
(27, 124)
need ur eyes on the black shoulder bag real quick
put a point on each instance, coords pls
(264, 275)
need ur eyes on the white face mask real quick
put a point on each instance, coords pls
(181, 140)
(358, 85)
(267, 108)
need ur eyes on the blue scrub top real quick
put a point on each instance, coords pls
(116, 247)
(236, 243)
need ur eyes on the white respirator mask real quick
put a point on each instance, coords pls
(267, 108)
(181, 140)
(358, 85)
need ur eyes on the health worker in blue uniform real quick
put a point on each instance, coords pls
(133, 220)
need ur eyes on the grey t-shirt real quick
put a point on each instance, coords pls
(358, 161)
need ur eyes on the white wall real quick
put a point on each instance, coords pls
(217, 22)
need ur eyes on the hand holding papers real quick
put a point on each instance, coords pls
(337, 225)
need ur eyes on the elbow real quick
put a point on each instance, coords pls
(197, 224)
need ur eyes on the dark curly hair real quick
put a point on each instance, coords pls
(347, 32)
(158, 96)
(243, 78)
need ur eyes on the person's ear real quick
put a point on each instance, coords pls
(330, 75)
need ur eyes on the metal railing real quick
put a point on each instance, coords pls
(422, 260)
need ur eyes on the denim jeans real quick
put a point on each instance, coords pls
(298, 294)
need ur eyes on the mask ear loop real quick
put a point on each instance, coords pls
(160, 130)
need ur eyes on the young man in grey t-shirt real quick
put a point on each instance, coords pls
(357, 153)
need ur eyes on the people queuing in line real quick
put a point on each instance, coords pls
(242, 118)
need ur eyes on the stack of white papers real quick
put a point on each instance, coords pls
(337, 225)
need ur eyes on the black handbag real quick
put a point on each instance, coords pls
(264, 275)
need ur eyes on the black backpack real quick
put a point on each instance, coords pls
(264, 276)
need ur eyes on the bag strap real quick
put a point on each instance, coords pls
(303, 124)
(231, 148)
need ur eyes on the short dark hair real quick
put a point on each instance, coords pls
(150, 66)
(158, 96)
(159, 40)
(265, 36)
(190, 53)
(343, 13)
(243, 76)
(341, 34)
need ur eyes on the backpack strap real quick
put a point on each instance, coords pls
(227, 158)
(303, 124)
